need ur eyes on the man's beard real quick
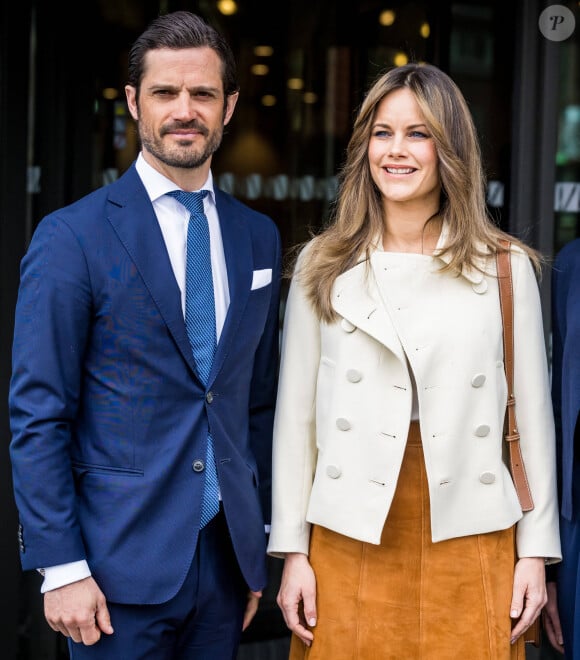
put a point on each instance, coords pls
(177, 156)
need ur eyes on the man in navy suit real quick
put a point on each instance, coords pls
(561, 615)
(110, 418)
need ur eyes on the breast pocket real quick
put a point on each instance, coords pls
(259, 305)
(261, 278)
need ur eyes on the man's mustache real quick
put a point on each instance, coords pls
(187, 125)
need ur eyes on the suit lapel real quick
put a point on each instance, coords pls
(131, 214)
(239, 263)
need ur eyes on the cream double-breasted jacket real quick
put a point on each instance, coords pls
(345, 400)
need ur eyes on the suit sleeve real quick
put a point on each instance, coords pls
(52, 323)
(558, 324)
(565, 370)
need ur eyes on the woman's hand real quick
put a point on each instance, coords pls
(297, 596)
(529, 593)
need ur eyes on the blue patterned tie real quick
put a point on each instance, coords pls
(200, 321)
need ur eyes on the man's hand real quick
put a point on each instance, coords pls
(79, 611)
(551, 618)
(251, 607)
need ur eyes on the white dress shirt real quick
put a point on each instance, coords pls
(173, 218)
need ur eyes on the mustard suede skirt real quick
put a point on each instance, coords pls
(409, 598)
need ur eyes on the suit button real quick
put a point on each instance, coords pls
(209, 397)
(343, 424)
(353, 376)
(487, 477)
(482, 430)
(198, 465)
(333, 471)
(347, 326)
(478, 380)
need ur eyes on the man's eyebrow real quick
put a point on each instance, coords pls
(195, 88)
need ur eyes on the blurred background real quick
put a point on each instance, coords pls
(304, 67)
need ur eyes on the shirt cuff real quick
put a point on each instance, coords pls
(59, 576)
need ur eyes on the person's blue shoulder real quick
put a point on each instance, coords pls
(257, 220)
(568, 255)
(91, 206)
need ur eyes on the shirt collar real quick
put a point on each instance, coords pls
(157, 185)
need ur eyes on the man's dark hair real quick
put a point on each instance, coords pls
(182, 29)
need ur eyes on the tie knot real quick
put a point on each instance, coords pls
(193, 201)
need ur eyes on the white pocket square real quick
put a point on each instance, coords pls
(261, 278)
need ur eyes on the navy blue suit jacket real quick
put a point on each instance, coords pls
(566, 366)
(107, 413)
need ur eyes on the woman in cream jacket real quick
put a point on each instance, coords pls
(393, 507)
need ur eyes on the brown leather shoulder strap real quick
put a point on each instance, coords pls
(511, 433)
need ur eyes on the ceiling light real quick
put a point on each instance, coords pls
(268, 100)
(400, 59)
(263, 51)
(259, 69)
(295, 83)
(110, 93)
(387, 17)
(227, 7)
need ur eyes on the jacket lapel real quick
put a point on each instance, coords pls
(131, 214)
(356, 298)
(239, 262)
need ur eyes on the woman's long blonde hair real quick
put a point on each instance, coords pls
(357, 216)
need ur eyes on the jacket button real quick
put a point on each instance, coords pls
(198, 465)
(209, 397)
(343, 424)
(480, 287)
(478, 380)
(482, 430)
(347, 326)
(487, 477)
(333, 471)
(353, 376)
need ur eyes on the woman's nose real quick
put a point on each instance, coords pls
(397, 145)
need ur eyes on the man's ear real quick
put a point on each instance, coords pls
(231, 101)
(131, 95)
